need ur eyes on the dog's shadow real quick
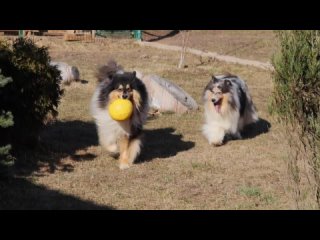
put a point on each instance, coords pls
(255, 129)
(250, 131)
(162, 143)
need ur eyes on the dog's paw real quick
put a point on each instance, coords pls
(112, 148)
(217, 144)
(124, 166)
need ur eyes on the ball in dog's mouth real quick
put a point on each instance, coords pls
(120, 109)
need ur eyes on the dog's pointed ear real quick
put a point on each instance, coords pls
(214, 79)
(134, 76)
(227, 83)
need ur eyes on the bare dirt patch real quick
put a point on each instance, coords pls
(257, 45)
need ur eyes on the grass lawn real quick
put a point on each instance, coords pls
(177, 168)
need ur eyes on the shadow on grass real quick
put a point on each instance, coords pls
(59, 140)
(154, 37)
(21, 194)
(255, 129)
(162, 143)
(251, 130)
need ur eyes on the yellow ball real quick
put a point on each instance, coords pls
(120, 109)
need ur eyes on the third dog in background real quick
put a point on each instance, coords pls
(68, 73)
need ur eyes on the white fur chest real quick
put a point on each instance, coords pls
(226, 119)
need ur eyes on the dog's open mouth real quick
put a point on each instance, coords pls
(217, 105)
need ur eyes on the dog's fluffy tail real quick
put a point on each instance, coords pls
(106, 72)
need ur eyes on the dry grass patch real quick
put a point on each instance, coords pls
(177, 168)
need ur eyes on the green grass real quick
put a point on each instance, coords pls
(250, 191)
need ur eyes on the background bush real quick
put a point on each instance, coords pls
(296, 103)
(6, 121)
(31, 96)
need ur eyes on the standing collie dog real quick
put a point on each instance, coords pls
(122, 137)
(228, 108)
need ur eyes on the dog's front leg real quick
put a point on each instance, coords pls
(124, 153)
(134, 149)
(129, 150)
(217, 136)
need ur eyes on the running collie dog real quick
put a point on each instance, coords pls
(119, 137)
(228, 108)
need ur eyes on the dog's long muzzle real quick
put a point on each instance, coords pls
(125, 95)
(217, 104)
(216, 101)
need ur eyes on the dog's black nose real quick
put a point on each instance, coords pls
(125, 96)
(216, 101)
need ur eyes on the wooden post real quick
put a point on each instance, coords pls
(93, 34)
(185, 37)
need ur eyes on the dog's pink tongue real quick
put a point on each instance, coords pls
(217, 107)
